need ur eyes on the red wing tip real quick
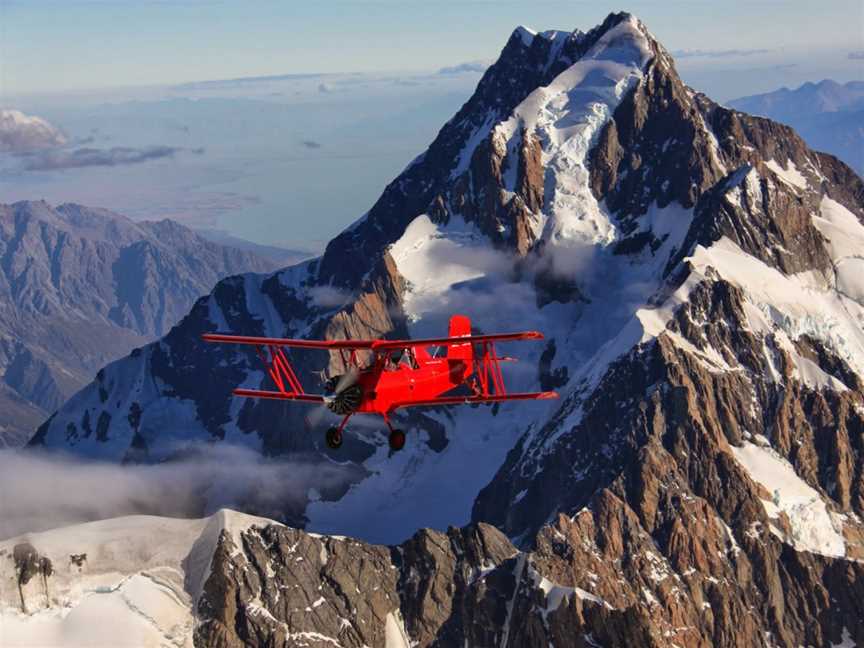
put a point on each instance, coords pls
(549, 395)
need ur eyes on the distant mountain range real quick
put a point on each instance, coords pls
(81, 287)
(828, 115)
(280, 256)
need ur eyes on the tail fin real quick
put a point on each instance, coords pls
(460, 326)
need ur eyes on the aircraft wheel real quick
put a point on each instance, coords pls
(334, 438)
(397, 440)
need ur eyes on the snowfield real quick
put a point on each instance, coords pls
(137, 586)
(813, 528)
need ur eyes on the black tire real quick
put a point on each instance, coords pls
(397, 440)
(334, 438)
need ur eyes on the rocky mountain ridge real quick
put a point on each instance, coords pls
(697, 273)
(235, 580)
(83, 286)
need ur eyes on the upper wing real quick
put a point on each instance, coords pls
(382, 345)
(499, 337)
(468, 400)
(302, 344)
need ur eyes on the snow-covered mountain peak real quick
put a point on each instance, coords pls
(524, 34)
(528, 62)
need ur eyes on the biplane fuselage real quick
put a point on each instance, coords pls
(381, 376)
(388, 385)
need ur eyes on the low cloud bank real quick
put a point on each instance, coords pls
(40, 491)
(53, 160)
(463, 68)
(718, 53)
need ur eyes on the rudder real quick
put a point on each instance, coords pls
(460, 326)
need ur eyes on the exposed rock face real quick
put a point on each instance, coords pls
(653, 488)
(595, 579)
(700, 482)
(81, 287)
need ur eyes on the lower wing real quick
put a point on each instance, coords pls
(469, 400)
(276, 395)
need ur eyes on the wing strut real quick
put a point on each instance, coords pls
(280, 370)
(488, 371)
(274, 358)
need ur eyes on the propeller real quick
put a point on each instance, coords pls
(347, 394)
(344, 396)
(346, 380)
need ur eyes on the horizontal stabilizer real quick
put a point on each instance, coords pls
(277, 395)
(469, 400)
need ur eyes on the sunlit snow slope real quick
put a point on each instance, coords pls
(136, 584)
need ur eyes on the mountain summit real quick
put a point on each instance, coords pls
(697, 273)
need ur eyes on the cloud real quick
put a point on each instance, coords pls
(43, 491)
(20, 133)
(311, 144)
(53, 160)
(479, 260)
(328, 296)
(856, 56)
(569, 259)
(467, 67)
(244, 81)
(717, 53)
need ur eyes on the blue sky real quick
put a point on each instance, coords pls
(50, 45)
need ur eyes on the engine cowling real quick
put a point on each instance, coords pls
(345, 400)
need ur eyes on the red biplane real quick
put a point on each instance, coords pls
(394, 374)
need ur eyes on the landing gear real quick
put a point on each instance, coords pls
(397, 440)
(334, 434)
(334, 438)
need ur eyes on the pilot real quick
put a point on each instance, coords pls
(401, 358)
(393, 360)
